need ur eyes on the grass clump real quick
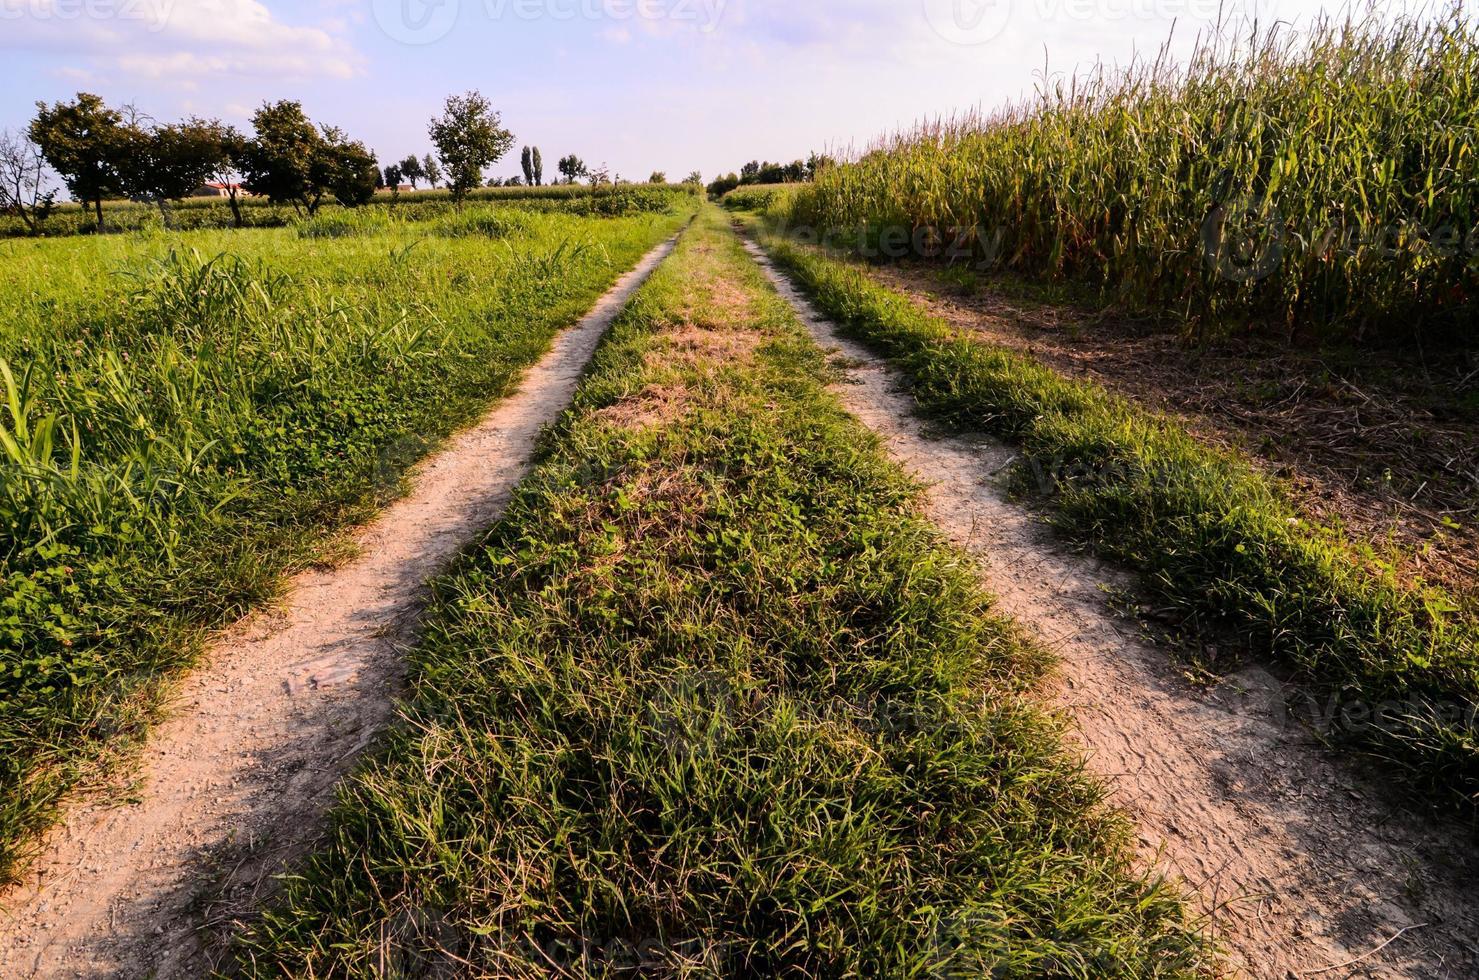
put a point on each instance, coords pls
(481, 222)
(713, 700)
(1399, 659)
(180, 424)
(346, 223)
(1321, 180)
(759, 197)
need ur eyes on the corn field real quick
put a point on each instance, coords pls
(1327, 180)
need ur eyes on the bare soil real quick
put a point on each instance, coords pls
(1297, 867)
(1385, 448)
(232, 787)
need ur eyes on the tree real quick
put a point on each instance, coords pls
(228, 161)
(469, 137)
(750, 172)
(432, 170)
(658, 177)
(23, 190)
(695, 178)
(723, 185)
(527, 162)
(393, 178)
(352, 170)
(87, 144)
(573, 167)
(816, 163)
(514, 182)
(538, 168)
(170, 162)
(412, 170)
(284, 161)
(292, 161)
(770, 173)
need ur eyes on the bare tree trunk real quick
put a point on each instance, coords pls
(97, 204)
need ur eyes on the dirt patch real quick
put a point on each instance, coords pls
(654, 405)
(689, 357)
(1386, 452)
(1297, 867)
(233, 785)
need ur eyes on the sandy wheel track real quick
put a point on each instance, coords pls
(1296, 866)
(234, 782)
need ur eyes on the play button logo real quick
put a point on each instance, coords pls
(969, 22)
(416, 21)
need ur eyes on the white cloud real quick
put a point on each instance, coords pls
(178, 39)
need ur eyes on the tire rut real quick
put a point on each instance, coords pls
(232, 785)
(1295, 866)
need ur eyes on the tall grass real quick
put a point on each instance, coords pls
(180, 423)
(1327, 180)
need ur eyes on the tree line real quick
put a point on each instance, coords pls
(756, 172)
(105, 153)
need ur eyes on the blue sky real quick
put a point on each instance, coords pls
(675, 85)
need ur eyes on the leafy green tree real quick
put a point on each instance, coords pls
(723, 185)
(750, 172)
(538, 161)
(658, 177)
(284, 162)
(393, 178)
(573, 167)
(695, 178)
(353, 170)
(412, 170)
(527, 165)
(469, 137)
(816, 163)
(86, 143)
(432, 170)
(171, 162)
(770, 173)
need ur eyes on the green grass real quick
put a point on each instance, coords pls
(208, 213)
(757, 197)
(1324, 181)
(183, 417)
(712, 699)
(1213, 537)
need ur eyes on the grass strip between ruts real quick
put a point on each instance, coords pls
(713, 699)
